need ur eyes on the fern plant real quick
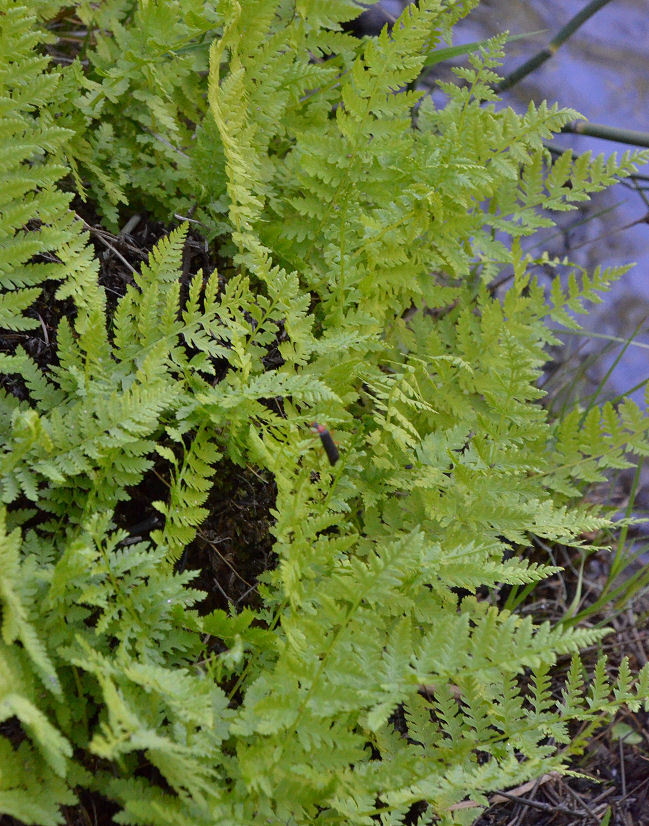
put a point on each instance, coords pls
(356, 292)
(40, 238)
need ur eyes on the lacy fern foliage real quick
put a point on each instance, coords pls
(354, 289)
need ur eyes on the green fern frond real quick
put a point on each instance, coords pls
(16, 624)
(188, 492)
(37, 223)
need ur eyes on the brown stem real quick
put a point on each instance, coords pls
(610, 133)
(558, 40)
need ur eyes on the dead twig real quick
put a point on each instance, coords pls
(558, 40)
(515, 794)
(608, 133)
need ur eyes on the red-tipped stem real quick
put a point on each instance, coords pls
(327, 442)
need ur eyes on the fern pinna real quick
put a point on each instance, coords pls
(354, 291)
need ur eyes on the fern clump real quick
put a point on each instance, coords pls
(355, 289)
